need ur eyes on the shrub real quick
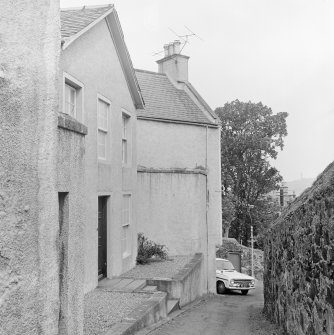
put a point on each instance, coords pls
(148, 249)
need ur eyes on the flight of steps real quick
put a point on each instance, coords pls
(172, 304)
(136, 285)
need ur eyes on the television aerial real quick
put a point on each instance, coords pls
(183, 38)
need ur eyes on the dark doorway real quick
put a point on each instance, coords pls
(102, 237)
(63, 261)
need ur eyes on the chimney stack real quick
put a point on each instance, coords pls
(174, 64)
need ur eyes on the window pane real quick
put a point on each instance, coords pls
(125, 240)
(70, 100)
(102, 144)
(126, 227)
(103, 109)
(124, 120)
(126, 210)
(125, 133)
(124, 151)
(128, 240)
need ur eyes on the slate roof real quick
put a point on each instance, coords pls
(164, 101)
(73, 20)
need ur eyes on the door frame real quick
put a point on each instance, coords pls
(106, 198)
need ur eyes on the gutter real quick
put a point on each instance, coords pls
(199, 124)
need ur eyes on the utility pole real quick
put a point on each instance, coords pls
(252, 244)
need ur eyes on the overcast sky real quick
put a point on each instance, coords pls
(278, 52)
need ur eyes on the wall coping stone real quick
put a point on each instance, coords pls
(143, 169)
(67, 122)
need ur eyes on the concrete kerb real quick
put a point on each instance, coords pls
(148, 313)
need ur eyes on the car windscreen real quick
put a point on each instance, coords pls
(224, 265)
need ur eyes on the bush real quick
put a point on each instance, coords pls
(148, 249)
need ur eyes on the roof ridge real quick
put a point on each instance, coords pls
(86, 7)
(151, 72)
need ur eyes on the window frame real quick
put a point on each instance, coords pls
(105, 131)
(126, 227)
(126, 128)
(79, 88)
(70, 103)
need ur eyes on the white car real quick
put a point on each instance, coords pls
(228, 278)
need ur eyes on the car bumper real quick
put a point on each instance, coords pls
(239, 288)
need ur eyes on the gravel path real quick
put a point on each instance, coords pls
(105, 308)
(162, 269)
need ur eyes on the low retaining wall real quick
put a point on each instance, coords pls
(186, 285)
(151, 311)
(299, 262)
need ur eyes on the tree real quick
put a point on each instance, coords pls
(251, 136)
(228, 214)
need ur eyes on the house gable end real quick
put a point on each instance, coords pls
(78, 25)
(93, 60)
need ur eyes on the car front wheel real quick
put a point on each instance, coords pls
(221, 289)
(244, 292)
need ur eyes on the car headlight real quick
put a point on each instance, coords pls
(231, 281)
(253, 282)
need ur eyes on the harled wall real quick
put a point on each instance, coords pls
(92, 59)
(29, 55)
(174, 207)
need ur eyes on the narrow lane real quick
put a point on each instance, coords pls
(230, 314)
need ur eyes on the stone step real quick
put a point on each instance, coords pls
(122, 284)
(172, 305)
(136, 285)
(150, 288)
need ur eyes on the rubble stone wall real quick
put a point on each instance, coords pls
(299, 268)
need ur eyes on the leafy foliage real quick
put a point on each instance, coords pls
(148, 249)
(251, 136)
(228, 214)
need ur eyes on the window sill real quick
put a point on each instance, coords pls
(67, 122)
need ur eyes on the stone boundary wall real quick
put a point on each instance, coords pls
(299, 262)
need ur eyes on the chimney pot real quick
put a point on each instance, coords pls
(177, 45)
(166, 50)
(170, 49)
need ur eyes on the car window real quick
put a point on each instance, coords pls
(224, 265)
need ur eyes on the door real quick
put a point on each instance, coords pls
(102, 237)
(235, 259)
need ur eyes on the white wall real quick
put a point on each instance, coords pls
(170, 145)
(173, 210)
(168, 202)
(92, 59)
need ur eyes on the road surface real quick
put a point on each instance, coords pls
(229, 314)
